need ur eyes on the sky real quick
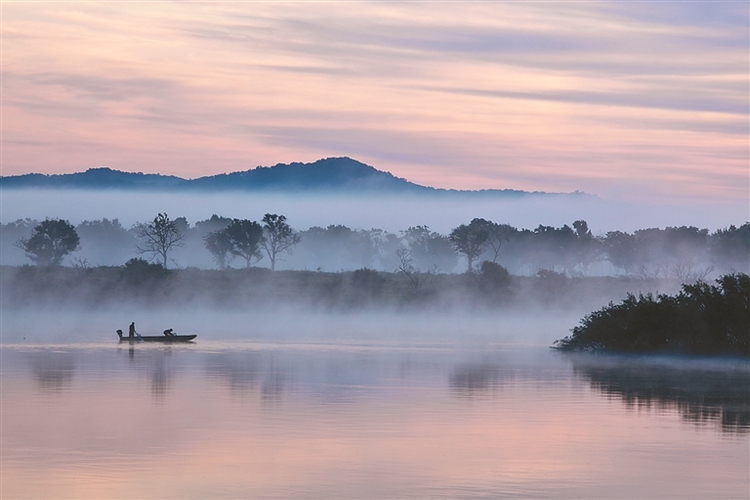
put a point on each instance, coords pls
(632, 101)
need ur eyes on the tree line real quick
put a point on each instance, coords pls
(52, 239)
(684, 253)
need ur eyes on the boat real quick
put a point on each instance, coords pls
(168, 339)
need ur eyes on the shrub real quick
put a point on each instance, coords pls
(702, 319)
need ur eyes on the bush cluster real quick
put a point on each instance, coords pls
(702, 319)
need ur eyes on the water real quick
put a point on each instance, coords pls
(221, 419)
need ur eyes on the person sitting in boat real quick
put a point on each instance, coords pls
(131, 332)
(169, 333)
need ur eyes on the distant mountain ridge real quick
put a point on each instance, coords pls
(329, 175)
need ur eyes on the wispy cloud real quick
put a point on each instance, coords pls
(618, 98)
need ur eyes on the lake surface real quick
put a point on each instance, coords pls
(230, 419)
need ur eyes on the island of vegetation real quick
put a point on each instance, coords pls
(702, 319)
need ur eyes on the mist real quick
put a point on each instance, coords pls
(330, 289)
(44, 305)
(288, 324)
(390, 213)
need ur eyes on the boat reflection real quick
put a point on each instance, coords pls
(703, 393)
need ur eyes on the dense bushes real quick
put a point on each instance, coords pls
(702, 319)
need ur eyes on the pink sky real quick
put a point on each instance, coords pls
(632, 101)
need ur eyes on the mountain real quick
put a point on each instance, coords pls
(328, 175)
(95, 178)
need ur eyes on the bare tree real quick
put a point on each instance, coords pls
(278, 237)
(417, 278)
(159, 237)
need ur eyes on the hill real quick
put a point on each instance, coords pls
(329, 175)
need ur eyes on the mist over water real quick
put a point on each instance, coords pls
(287, 323)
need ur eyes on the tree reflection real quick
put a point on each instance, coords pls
(53, 370)
(155, 362)
(240, 372)
(243, 372)
(274, 383)
(475, 378)
(717, 395)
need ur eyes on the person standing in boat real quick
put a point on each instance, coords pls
(131, 332)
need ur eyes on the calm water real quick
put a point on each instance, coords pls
(375, 420)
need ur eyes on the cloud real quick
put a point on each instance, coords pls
(536, 96)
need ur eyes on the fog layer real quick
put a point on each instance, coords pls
(390, 213)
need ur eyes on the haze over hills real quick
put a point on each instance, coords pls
(329, 175)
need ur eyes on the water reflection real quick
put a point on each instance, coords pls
(717, 394)
(155, 363)
(243, 420)
(243, 372)
(53, 370)
(472, 379)
(239, 371)
(275, 381)
(323, 376)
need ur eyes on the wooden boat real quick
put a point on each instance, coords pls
(155, 338)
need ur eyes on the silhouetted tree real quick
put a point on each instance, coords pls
(588, 248)
(582, 229)
(554, 247)
(244, 237)
(49, 242)
(429, 249)
(278, 237)
(384, 246)
(137, 271)
(196, 237)
(494, 278)
(730, 247)
(470, 240)
(215, 223)
(659, 250)
(496, 234)
(621, 250)
(217, 242)
(336, 247)
(105, 241)
(160, 236)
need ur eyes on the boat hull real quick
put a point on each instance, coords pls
(159, 338)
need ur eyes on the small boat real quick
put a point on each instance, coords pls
(155, 338)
